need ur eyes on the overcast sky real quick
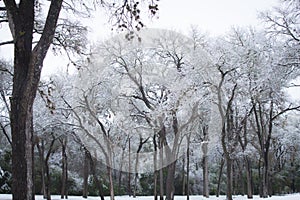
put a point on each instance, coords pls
(212, 16)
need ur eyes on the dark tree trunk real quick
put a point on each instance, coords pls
(293, 174)
(249, 178)
(205, 163)
(111, 184)
(205, 176)
(121, 172)
(183, 176)
(141, 143)
(47, 181)
(21, 104)
(220, 177)
(41, 150)
(129, 168)
(46, 178)
(27, 69)
(260, 178)
(171, 157)
(86, 168)
(94, 172)
(161, 162)
(64, 175)
(155, 185)
(188, 170)
(265, 175)
(155, 168)
(161, 175)
(229, 178)
(170, 189)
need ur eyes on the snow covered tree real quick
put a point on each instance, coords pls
(147, 98)
(22, 17)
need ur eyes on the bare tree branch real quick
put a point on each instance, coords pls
(284, 111)
(5, 133)
(41, 49)
(7, 42)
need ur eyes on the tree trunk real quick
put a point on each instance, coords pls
(93, 169)
(161, 175)
(188, 170)
(260, 179)
(27, 70)
(136, 164)
(293, 173)
(220, 177)
(229, 178)
(46, 178)
(183, 176)
(121, 172)
(22, 134)
(64, 175)
(170, 181)
(205, 177)
(47, 181)
(129, 168)
(155, 168)
(41, 150)
(265, 176)
(86, 168)
(135, 182)
(249, 178)
(155, 185)
(23, 95)
(205, 169)
(111, 183)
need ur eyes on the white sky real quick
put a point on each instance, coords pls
(212, 16)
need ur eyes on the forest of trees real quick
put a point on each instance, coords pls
(149, 113)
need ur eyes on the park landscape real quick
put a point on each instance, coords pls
(149, 113)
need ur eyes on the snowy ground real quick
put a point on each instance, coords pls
(55, 197)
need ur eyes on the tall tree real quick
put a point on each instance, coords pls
(28, 64)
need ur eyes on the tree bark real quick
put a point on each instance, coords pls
(129, 168)
(229, 178)
(64, 175)
(155, 168)
(93, 169)
(111, 183)
(220, 177)
(205, 172)
(161, 174)
(205, 163)
(170, 189)
(41, 151)
(141, 143)
(188, 170)
(86, 168)
(249, 178)
(183, 176)
(265, 175)
(22, 102)
(47, 181)
(27, 71)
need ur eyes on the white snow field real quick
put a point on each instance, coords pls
(57, 197)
